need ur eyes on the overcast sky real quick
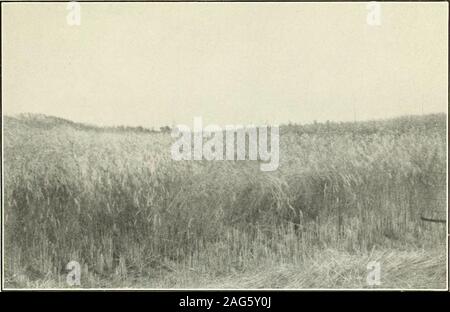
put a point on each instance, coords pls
(151, 64)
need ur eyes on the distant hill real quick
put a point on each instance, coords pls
(42, 121)
(393, 125)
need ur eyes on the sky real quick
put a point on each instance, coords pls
(154, 64)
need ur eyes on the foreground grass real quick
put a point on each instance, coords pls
(329, 268)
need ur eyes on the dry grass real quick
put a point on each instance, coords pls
(325, 269)
(116, 202)
(342, 270)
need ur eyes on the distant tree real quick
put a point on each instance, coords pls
(165, 129)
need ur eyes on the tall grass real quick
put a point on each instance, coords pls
(117, 203)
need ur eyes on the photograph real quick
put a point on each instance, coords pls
(222, 146)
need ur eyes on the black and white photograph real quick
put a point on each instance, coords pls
(197, 145)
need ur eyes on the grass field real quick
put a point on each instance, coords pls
(344, 195)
